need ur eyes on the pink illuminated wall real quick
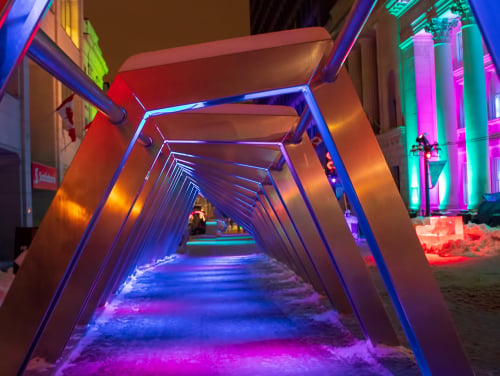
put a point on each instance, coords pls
(423, 46)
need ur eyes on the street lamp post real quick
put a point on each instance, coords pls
(426, 149)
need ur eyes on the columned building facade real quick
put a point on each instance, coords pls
(421, 67)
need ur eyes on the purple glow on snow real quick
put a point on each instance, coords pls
(219, 316)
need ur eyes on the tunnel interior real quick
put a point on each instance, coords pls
(124, 201)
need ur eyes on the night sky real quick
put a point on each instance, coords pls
(128, 27)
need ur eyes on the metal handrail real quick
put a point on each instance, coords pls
(50, 57)
(353, 24)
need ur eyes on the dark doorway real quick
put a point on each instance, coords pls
(10, 202)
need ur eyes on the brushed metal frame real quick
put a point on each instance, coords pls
(340, 245)
(370, 188)
(243, 69)
(315, 248)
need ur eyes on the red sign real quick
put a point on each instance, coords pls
(329, 163)
(43, 177)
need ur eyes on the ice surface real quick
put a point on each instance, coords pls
(250, 315)
(224, 316)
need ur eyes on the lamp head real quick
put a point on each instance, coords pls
(421, 139)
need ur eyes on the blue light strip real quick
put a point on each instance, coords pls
(220, 242)
(377, 254)
(18, 29)
(219, 160)
(233, 99)
(170, 110)
(217, 142)
(82, 244)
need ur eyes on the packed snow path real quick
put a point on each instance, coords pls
(225, 315)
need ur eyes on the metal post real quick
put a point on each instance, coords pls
(50, 57)
(353, 24)
(18, 23)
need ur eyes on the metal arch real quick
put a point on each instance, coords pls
(370, 188)
(283, 237)
(67, 225)
(249, 72)
(245, 183)
(373, 319)
(294, 205)
(97, 249)
(213, 151)
(122, 250)
(303, 243)
(330, 223)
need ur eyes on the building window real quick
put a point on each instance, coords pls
(460, 109)
(496, 106)
(495, 175)
(493, 98)
(459, 46)
(69, 20)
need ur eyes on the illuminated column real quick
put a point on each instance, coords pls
(475, 110)
(446, 111)
(419, 108)
(411, 121)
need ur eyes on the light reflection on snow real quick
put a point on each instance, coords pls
(184, 317)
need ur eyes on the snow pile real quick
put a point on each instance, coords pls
(5, 282)
(128, 284)
(38, 365)
(479, 240)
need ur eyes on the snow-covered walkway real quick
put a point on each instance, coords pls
(226, 315)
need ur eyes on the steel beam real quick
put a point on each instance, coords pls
(138, 236)
(329, 220)
(353, 24)
(51, 58)
(371, 190)
(120, 252)
(212, 74)
(311, 275)
(296, 264)
(95, 253)
(294, 204)
(68, 225)
(19, 21)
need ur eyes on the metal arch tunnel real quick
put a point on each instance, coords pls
(134, 208)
